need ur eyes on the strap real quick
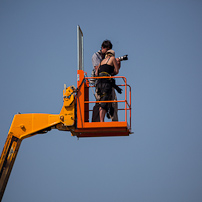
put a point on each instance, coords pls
(108, 59)
(76, 90)
(100, 54)
(104, 74)
(83, 81)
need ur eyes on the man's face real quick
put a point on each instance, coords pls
(104, 50)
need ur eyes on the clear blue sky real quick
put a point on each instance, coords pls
(161, 161)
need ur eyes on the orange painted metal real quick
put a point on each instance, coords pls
(80, 98)
(84, 127)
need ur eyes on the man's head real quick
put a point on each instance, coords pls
(106, 45)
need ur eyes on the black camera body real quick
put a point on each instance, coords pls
(125, 57)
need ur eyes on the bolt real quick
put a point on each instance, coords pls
(62, 118)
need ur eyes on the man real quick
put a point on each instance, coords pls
(96, 59)
(99, 56)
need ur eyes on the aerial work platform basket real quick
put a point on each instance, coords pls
(84, 126)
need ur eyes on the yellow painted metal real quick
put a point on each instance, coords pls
(26, 125)
(67, 113)
(7, 160)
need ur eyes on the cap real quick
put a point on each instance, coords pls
(111, 51)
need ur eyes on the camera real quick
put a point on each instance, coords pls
(125, 57)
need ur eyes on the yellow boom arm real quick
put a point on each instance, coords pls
(27, 125)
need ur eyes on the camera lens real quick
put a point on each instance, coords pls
(125, 57)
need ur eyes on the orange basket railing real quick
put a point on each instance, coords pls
(126, 99)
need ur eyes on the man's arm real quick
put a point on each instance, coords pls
(96, 59)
